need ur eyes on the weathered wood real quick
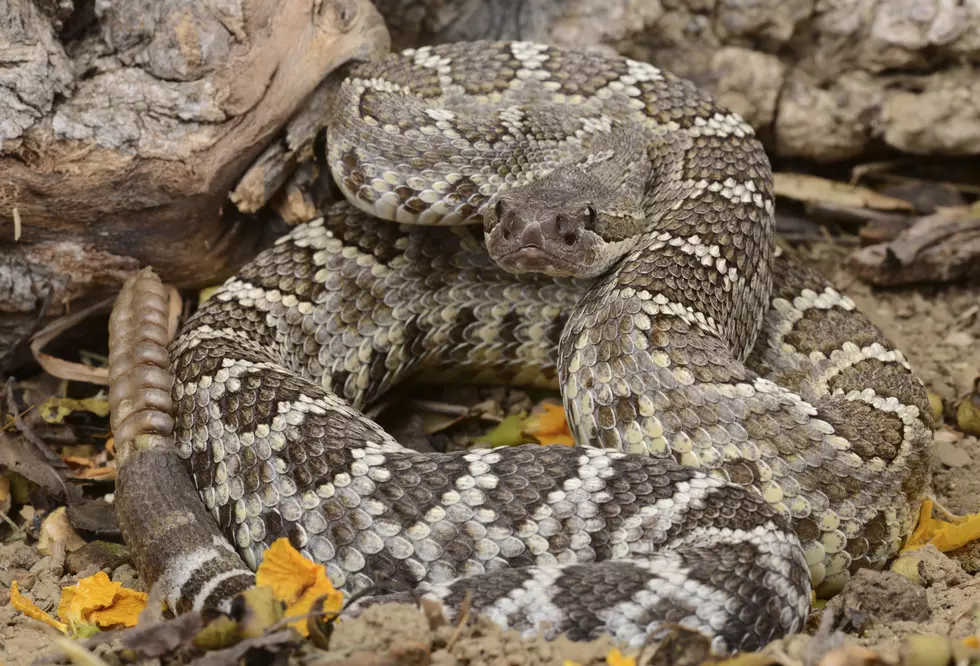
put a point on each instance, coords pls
(943, 247)
(118, 148)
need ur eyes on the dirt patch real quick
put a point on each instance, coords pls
(938, 328)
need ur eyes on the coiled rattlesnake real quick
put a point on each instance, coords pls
(720, 393)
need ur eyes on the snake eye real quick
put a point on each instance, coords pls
(590, 216)
(498, 208)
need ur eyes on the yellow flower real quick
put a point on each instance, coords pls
(97, 600)
(617, 658)
(297, 582)
(94, 602)
(548, 426)
(943, 535)
(30, 609)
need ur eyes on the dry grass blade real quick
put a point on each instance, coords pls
(77, 652)
(464, 617)
(173, 315)
(61, 368)
(807, 188)
(79, 372)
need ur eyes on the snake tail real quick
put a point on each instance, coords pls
(173, 540)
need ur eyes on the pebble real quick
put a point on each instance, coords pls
(959, 339)
(951, 455)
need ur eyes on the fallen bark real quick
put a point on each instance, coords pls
(943, 247)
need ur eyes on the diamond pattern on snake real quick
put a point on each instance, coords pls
(522, 214)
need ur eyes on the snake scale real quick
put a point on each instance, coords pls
(744, 434)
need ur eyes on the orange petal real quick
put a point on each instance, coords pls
(954, 536)
(288, 573)
(125, 610)
(617, 658)
(78, 460)
(547, 425)
(30, 609)
(93, 593)
(925, 529)
(943, 535)
(64, 606)
(301, 607)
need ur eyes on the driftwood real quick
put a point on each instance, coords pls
(943, 247)
(122, 133)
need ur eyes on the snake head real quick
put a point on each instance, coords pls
(563, 225)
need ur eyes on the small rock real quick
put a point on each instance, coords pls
(959, 339)
(948, 436)
(25, 581)
(42, 564)
(905, 311)
(951, 455)
(928, 566)
(100, 554)
(127, 575)
(885, 596)
(383, 626)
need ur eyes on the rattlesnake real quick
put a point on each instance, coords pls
(743, 429)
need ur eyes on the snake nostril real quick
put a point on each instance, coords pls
(506, 233)
(570, 238)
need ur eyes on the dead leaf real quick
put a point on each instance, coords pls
(909, 565)
(56, 527)
(68, 369)
(158, 638)
(851, 655)
(968, 411)
(77, 652)
(24, 458)
(220, 633)
(508, 432)
(926, 650)
(6, 500)
(274, 643)
(942, 247)
(94, 515)
(261, 611)
(55, 408)
(207, 292)
(808, 188)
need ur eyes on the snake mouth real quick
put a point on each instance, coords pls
(536, 259)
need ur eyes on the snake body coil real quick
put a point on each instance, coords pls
(743, 430)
